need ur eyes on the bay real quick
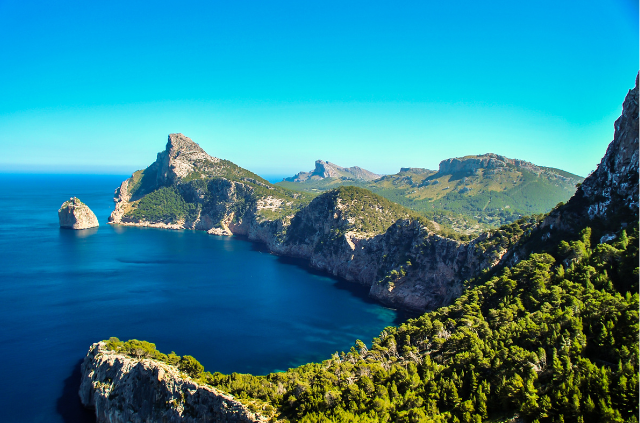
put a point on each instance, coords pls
(226, 301)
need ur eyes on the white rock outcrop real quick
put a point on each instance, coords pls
(125, 389)
(74, 214)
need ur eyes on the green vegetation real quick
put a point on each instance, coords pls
(358, 209)
(142, 182)
(372, 213)
(202, 191)
(553, 339)
(466, 204)
(165, 204)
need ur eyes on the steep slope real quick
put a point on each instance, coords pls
(471, 193)
(553, 338)
(122, 388)
(350, 232)
(187, 188)
(607, 200)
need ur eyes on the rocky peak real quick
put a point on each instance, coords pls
(181, 157)
(471, 164)
(614, 183)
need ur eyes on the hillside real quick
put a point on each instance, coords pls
(549, 334)
(468, 194)
(407, 260)
(187, 188)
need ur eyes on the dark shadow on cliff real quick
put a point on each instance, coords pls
(69, 405)
(355, 289)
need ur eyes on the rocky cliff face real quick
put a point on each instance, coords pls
(609, 196)
(330, 170)
(74, 214)
(180, 158)
(614, 184)
(124, 389)
(361, 237)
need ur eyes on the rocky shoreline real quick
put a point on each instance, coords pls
(121, 388)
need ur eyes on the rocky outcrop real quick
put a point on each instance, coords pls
(403, 259)
(609, 196)
(614, 184)
(330, 170)
(471, 164)
(74, 214)
(125, 389)
(181, 157)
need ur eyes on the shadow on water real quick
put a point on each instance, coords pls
(68, 233)
(355, 289)
(69, 405)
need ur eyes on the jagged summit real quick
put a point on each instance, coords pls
(181, 157)
(331, 170)
(610, 194)
(616, 178)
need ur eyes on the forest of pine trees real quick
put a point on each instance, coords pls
(551, 339)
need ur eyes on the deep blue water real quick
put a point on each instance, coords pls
(225, 301)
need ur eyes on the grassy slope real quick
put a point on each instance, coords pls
(170, 204)
(473, 203)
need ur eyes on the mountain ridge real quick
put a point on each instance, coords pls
(467, 194)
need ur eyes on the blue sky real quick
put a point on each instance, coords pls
(97, 86)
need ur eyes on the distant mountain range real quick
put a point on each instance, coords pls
(468, 194)
(326, 170)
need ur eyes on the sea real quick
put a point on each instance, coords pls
(224, 300)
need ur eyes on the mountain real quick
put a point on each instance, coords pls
(467, 194)
(187, 188)
(405, 259)
(327, 170)
(548, 332)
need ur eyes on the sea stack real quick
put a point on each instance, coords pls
(74, 214)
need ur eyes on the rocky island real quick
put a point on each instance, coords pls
(74, 214)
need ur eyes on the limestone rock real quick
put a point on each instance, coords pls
(125, 389)
(610, 194)
(615, 181)
(74, 214)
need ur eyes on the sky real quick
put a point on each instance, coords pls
(96, 87)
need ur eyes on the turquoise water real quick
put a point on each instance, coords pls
(226, 301)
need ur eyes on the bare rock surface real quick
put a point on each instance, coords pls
(74, 214)
(125, 389)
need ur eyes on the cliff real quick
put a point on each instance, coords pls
(330, 170)
(609, 196)
(74, 214)
(606, 201)
(125, 389)
(362, 237)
